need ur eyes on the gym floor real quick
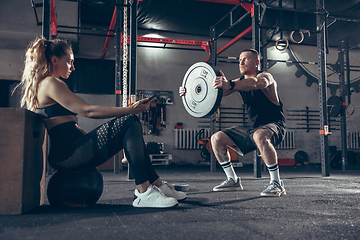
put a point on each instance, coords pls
(315, 207)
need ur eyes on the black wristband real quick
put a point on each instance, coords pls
(232, 85)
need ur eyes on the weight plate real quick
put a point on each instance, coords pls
(336, 161)
(181, 187)
(200, 98)
(334, 106)
(301, 157)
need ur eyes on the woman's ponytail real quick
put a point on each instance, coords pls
(38, 67)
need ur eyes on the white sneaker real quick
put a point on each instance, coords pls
(171, 192)
(275, 189)
(153, 198)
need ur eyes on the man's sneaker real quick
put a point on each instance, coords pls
(153, 198)
(171, 192)
(229, 185)
(274, 189)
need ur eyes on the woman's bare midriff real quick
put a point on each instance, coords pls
(54, 121)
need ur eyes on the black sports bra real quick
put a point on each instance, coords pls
(55, 110)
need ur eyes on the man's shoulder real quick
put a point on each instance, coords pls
(263, 73)
(267, 76)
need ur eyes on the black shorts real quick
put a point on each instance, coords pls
(242, 136)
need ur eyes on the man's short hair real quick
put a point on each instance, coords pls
(253, 51)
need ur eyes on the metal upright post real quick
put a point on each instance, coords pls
(118, 85)
(256, 46)
(213, 60)
(321, 46)
(132, 5)
(256, 28)
(46, 25)
(347, 57)
(263, 53)
(78, 26)
(133, 42)
(213, 46)
(46, 20)
(341, 56)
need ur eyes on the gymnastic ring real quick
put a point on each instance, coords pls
(277, 42)
(293, 40)
(352, 110)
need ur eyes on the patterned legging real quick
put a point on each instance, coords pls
(70, 149)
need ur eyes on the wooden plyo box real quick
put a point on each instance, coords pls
(21, 159)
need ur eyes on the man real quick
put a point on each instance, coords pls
(264, 130)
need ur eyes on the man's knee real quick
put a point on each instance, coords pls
(215, 138)
(261, 137)
(220, 138)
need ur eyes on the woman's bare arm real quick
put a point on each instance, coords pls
(58, 91)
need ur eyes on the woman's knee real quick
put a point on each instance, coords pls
(129, 119)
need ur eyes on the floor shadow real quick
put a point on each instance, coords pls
(219, 203)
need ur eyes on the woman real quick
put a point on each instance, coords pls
(72, 148)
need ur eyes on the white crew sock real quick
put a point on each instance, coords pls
(274, 172)
(229, 170)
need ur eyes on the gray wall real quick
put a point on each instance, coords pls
(163, 69)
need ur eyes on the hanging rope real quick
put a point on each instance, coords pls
(125, 57)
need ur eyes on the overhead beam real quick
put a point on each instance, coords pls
(202, 44)
(344, 19)
(234, 40)
(250, 11)
(233, 24)
(34, 6)
(241, 35)
(234, 2)
(110, 32)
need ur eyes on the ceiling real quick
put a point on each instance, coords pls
(193, 17)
